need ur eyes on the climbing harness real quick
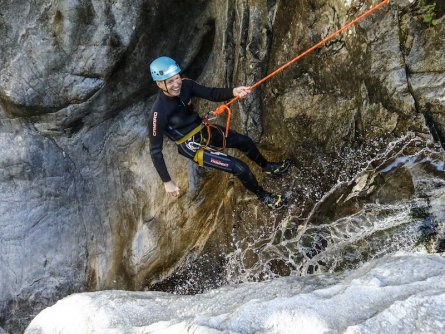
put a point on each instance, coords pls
(203, 144)
(225, 107)
(190, 134)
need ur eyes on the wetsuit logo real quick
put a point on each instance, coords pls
(218, 162)
(155, 123)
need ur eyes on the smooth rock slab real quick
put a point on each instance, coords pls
(404, 293)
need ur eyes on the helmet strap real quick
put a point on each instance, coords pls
(166, 89)
(165, 85)
(160, 86)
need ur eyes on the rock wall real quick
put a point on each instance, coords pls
(81, 205)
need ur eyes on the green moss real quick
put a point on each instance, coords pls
(428, 11)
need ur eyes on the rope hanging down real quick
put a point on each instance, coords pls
(225, 107)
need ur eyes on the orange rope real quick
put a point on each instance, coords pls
(223, 107)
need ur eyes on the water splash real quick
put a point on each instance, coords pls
(295, 243)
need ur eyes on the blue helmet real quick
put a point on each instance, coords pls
(163, 68)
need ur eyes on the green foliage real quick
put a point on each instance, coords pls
(429, 13)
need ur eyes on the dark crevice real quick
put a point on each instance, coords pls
(74, 127)
(358, 129)
(194, 277)
(244, 29)
(441, 246)
(440, 8)
(16, 110)
(13, 109)
(229, 45)
(435, 131)
(205, 48)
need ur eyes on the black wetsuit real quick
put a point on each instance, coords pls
(175, 117)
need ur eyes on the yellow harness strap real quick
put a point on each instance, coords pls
(199, 157)
(190, 134)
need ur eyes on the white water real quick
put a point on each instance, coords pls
(374, 230)
(404, 293)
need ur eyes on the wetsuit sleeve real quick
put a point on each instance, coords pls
(211, 93)
(156, 125)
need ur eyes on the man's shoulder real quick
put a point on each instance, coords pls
(187, 82)
(162, 106)
(161, 101)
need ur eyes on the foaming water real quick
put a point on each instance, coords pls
(345, 243)
(389, 210)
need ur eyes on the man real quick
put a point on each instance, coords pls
(173, 115)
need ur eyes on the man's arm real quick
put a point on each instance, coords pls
(211, 93)
(156, 125)
(218, 94)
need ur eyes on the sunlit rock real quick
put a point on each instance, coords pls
(404, 292)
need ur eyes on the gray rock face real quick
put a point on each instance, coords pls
(82, 207)
(62, 52)
(43, 242)
(427, 67)
(79, 205)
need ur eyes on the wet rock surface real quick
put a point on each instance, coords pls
(82, 207)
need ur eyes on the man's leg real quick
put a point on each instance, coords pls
(246, 145)
(241, 142)
(240, 169)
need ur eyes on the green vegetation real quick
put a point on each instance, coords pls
(429, 13)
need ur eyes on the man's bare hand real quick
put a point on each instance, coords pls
(171, 188)
(241, 91)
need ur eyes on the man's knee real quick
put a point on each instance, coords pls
(240, 168)
(244, 143)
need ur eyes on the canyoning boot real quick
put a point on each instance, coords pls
(273, 201)
(277, 169)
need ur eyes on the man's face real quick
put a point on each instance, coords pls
(171, 86)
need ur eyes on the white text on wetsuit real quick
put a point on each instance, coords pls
(155, 120)
(220, 163)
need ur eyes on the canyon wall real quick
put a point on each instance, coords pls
(82, 207)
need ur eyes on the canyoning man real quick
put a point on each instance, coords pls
(173, 115)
